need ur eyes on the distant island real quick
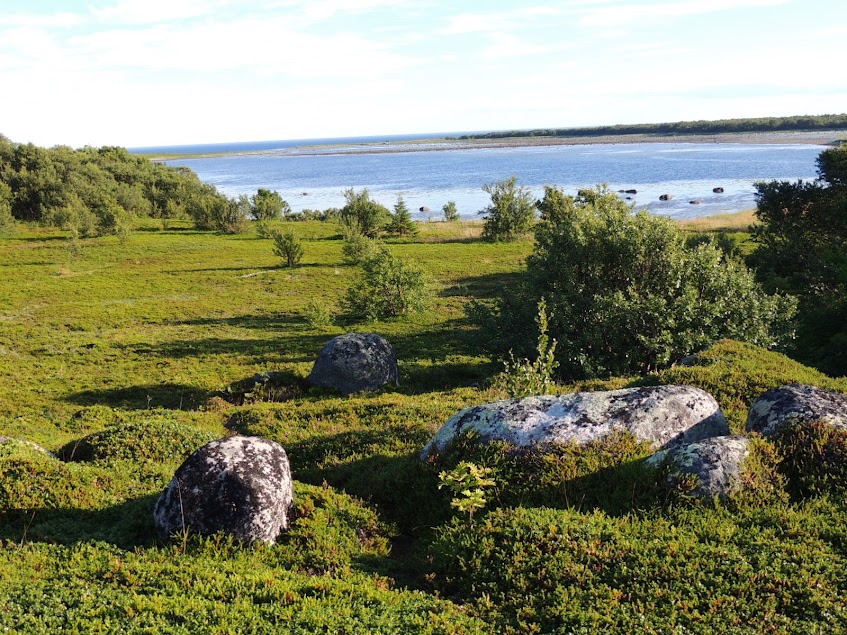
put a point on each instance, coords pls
(798, 123)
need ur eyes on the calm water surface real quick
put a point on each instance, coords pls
(431, 178)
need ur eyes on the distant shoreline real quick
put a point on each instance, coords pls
(814, 137)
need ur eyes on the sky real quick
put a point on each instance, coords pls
(141, 73)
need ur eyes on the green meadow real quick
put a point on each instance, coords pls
(122, 357)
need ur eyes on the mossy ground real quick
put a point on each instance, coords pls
(124, 356)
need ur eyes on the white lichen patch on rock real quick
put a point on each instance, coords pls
(717, 463)
(796, 403)
(664, 416)
(239, 485)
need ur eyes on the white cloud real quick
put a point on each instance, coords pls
(142, 12)
(627, 13)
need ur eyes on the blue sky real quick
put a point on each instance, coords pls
(149, 72)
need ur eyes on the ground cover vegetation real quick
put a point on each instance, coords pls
(118, 358)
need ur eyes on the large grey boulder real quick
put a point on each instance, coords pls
(239, 485)
(796, 403)
(716, 462)
(664, 416)
(355, 362)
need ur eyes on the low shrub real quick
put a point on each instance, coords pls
(216, 587)
(157, 439)
(608, 474)
(774, 569)
(813, 458)
(388, 287)
(330, 530)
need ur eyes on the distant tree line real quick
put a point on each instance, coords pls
(96, 191)
(760, 124)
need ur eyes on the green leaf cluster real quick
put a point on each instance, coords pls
(510, 213)
(388, 287)
(287, 246)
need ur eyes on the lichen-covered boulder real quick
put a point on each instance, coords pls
(664, 416)
(239, 485)
(796, 403)
(355, 362)
(716, 462)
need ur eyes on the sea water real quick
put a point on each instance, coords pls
(315, 178)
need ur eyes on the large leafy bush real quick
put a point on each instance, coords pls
(627, 294)
(803, 250)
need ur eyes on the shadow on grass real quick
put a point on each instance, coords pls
(127, 525)
(486, 286)
(169, 396)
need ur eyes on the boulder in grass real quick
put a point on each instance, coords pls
(716, 462)
(239, 486)
(796, 403)
(664, 416)
(355, 362)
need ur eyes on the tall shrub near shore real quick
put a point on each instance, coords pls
(627, 294)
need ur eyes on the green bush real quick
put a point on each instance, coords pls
(267, 205)
(287, 246)
(357, 247)
(511, 212)
(388, 287)
(608, 474)
(626, 293)
(537, 377)
(368, 215)
(451, 213)
(330, 530)
(802, 238)
(157, 439)
(401, 222)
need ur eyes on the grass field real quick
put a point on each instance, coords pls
(127, 356)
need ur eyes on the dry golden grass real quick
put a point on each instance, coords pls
(738, 221)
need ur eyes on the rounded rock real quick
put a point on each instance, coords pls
(796, 403)
(716, 462)
(664, 416)
(355, 362)
(238, 485)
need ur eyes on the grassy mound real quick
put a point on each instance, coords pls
(776, 569)
(208, 588)
(156, 438)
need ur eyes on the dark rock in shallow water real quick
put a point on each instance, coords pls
(354, 362)
(796, 403)
(665, 416)
(716, 462)
(239, 485)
